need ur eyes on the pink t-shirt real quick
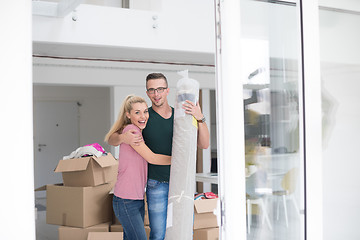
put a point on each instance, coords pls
(132, 172)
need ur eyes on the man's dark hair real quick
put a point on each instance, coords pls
(156, 76)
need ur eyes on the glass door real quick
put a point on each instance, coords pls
(269, 79)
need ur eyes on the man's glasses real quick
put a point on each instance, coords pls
(159, 90)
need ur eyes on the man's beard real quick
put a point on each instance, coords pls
(158, 104)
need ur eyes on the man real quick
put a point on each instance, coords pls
(158, 137)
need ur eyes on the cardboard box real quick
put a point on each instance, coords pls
(147, 230)
(119, 228)
(114, 219)
(105, 236)
(116, 228)
(146, 219)
(206, 234)
(204, 216)
(88, 171)
(146, 216)
(78, 206)
(72, 233)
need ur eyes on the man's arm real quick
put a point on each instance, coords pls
(130, 137)
(203, 140)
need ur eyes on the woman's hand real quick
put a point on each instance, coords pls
(131, 137)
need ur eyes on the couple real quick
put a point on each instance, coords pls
(136, 125)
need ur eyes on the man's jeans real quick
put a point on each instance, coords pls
(157, 200)
(131, 216)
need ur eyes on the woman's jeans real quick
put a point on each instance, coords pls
(131, 216)
(157, 200)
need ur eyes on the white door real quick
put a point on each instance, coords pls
(56, 134)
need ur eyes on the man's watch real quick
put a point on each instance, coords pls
(202, 120)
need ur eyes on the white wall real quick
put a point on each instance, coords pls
(17, 185)
(341, 162)
(94, 120)
(339, 39)
(352, 5)
(340, 79)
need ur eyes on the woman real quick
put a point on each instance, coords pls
(129, 190)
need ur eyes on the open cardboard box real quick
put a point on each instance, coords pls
(88, 171)
(204, 216)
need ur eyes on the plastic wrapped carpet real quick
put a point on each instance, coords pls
(183, 165)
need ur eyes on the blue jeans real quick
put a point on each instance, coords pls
(131, 216)
(157, 200)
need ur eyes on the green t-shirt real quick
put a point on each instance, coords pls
(158, 135)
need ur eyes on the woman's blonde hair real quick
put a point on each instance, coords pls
(122, 120)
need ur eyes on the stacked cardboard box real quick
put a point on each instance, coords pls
(105, 236)
(78, 206)
(82, 204)
(146, 220)
(206, 226)
(146, 217)
(119, 228)
(74, 233)
(206, 234)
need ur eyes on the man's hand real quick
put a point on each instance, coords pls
(192, 109)
(131, 137)
(203, 140)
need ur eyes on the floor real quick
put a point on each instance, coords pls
(279, 230)
(44, 231)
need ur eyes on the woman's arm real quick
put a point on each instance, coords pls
(149, 156)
